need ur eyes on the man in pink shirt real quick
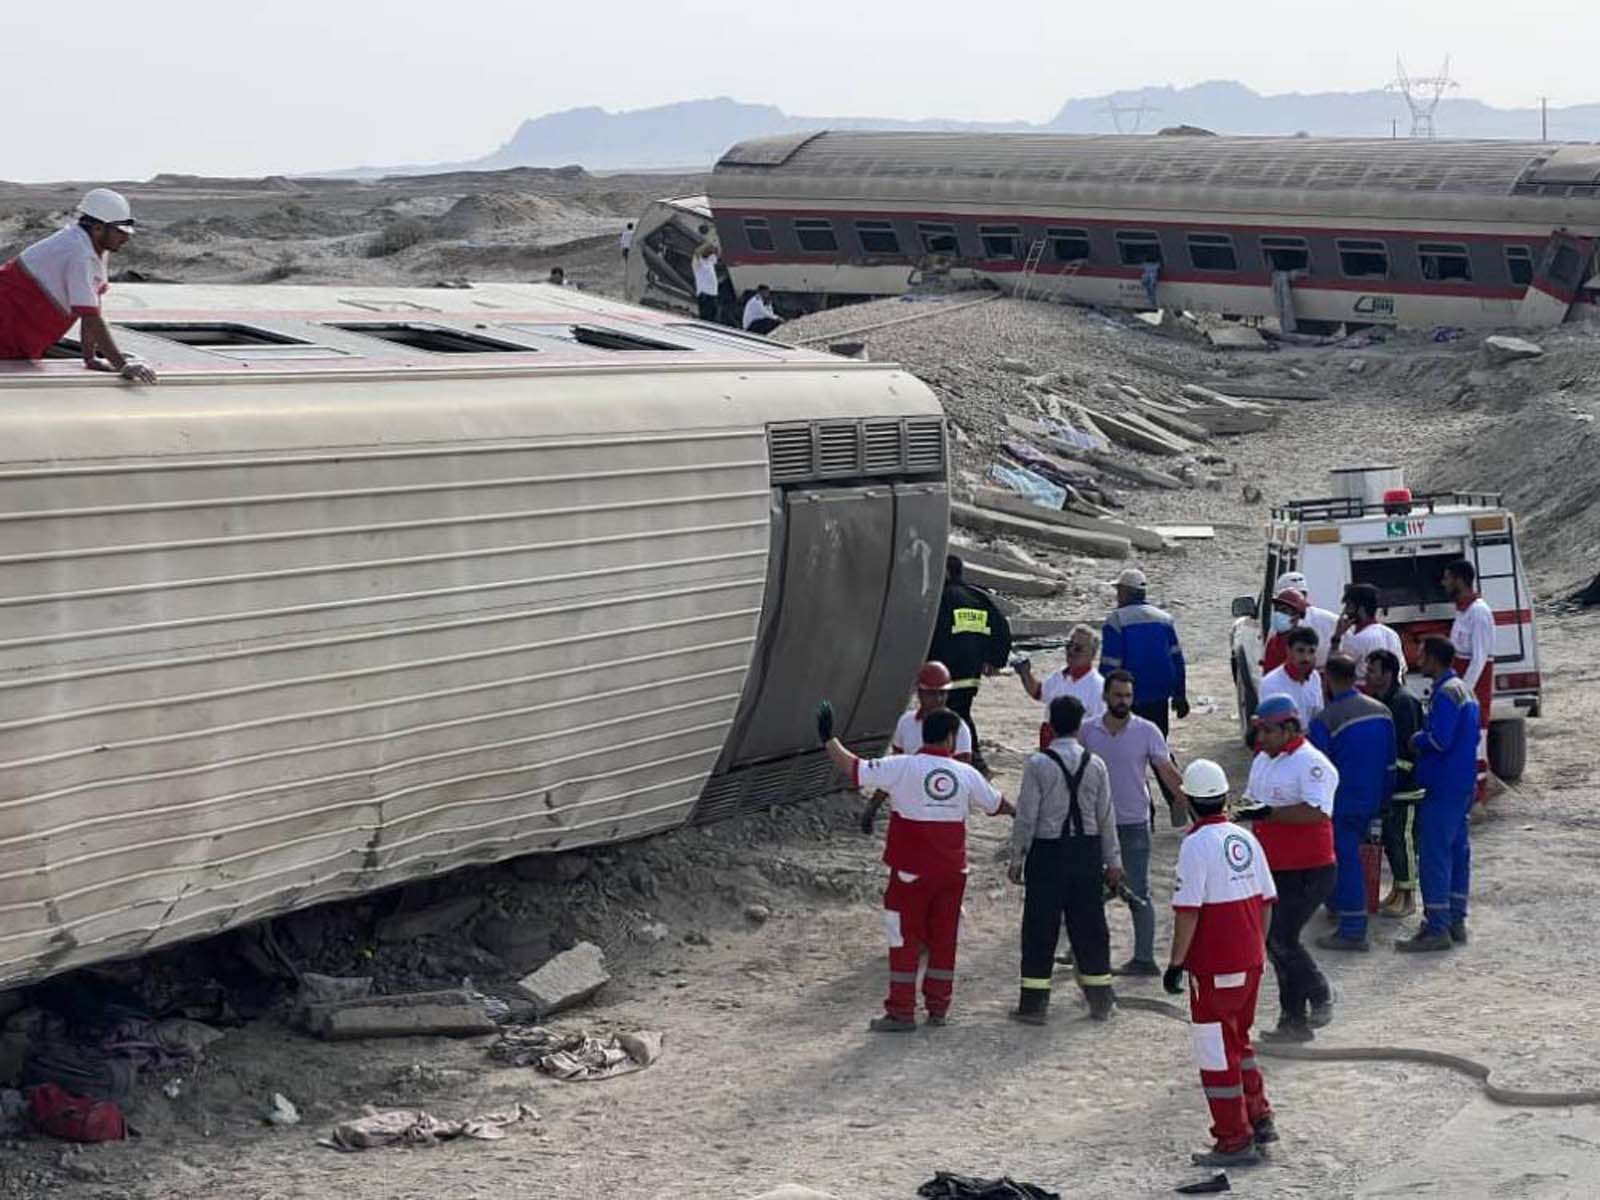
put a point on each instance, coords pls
(1131, 746)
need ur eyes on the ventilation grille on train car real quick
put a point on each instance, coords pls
(807, 776)
(856, 449)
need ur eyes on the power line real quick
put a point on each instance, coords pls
(1138, 112)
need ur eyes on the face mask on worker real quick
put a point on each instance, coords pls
(1281, 621)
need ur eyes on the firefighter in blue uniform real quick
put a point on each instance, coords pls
(1356, 732)
(1446, 755)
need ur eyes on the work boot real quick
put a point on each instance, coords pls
(1266, 1131)
(1399, 904)
(1102, 1002)
(1245, 1156)
(1458, 932)
(1321, 1014)
(1033, 1006)
(1137, 966)
(1291, 1031)
(1422, 942)
(1337, 941)
(888, 1024)
(937, 1020)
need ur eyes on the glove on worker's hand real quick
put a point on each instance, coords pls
(1172, 981)
(1181, 707)
(1019, 662)
(869, 819)
(824, 721)
(1260, 812)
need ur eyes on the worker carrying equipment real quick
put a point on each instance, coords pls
(59, 281)
(1220, 909)
(972, 637)
(930, 794)
(1064, 848)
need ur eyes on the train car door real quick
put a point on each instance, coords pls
(1557, 282)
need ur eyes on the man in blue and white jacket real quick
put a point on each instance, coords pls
(1141, 639)
(1446, 754)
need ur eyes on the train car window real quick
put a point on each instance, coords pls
(877, 237)
(938, 238)
(434, 339)
(1444, 262)
(759, 234)
(213, 334)
(1286, 253)
(1519, 265)
(1363, 260)
(816, 235)
(1212, 252)
(1135, 247)
(1068, 245)
(1000, 241)
(1563, 266)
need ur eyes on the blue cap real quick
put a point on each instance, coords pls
(1276, 709)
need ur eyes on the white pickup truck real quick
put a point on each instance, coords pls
(1403, 548)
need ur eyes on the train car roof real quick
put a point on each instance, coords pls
(1403, 172)
(236, 331)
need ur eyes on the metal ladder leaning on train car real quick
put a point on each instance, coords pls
(1027, 284)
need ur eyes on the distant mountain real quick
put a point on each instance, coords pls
(692, 134)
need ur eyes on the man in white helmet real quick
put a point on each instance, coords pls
(58, 282)
(1221, 911)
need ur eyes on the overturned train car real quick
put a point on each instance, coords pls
(1318, 232)
(382, 583)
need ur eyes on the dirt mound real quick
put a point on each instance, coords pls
(498, 212)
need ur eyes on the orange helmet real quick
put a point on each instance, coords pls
(934, 677)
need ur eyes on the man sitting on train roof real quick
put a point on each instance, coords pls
(58, 281)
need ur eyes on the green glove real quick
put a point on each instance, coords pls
(824, 721)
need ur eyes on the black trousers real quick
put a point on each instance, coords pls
(1063, 879)
(1400, 843)
(959, 701)
(1300, 981)
(764, 325)
(1156, 713)
(707, 305)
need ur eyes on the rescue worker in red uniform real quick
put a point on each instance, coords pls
(1472, 635)
(930, 793)
(1220, 904)
(57, 282)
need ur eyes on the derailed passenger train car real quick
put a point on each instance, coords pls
(1320, 232)
(379, 583)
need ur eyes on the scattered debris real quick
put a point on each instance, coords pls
(758, 914)
(333, 989)
(577, 1055)
(1013, 583)
(281, 1111)
(1100, 545)
(946, 1185)
(413, 1127)
(569, 978)
(1236, 337)
(1140, 537)
(1186, 533)
(55, 1111)
(1500, 348)
(1251, 494)
(793, 1191)
(445, 1014)
(551, 868)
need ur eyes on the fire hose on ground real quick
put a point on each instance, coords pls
(1474, 1070)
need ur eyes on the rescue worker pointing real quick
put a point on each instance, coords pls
(926, 853)
(58, 282)
(972, 638)
(1220, 906)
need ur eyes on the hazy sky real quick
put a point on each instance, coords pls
(125, 90)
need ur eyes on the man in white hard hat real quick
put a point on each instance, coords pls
(59, 280)
(1221, 905)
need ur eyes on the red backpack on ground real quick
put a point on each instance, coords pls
(59, 1113)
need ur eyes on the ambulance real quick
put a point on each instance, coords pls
(1402, 547)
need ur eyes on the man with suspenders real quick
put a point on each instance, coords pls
(1064, 846)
